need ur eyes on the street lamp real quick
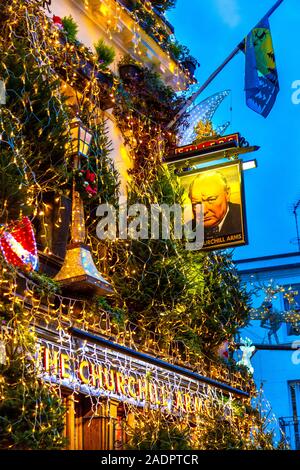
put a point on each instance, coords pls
(78, 272)
(81, 138)
(249, 165)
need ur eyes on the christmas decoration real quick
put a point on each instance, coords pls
(57, 22)
(70, 28)
(222, 350)
(202, 113)
(31, 412)
(79, 271)
(165, 302)
(204, 131)
(86, 184)
(18, 246)
(105, 53)
(247, 349)
(271, 318)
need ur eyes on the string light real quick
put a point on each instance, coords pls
(203, 112)
(17, 243)
(170, 304)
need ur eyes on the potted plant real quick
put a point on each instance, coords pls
(176, 49)
(89, 68)
(182, 54)
(130, 4)
(129, 70)
(163, 5)
(70, 28)
(105, 54)
(190, 64)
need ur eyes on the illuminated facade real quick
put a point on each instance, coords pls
(113, 21)
(105, 370)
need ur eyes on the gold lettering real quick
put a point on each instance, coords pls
(96, 375)
(165, 395)
(230, 238)
(109, 380)
(179, 404)
(214, 241)
(120, 380)
(84, 365)
(187, 402)
(131, 384)
(143, 389)
(65, 366)
(153, 394)
(198, 404)
(51, 361)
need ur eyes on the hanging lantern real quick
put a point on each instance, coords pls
(81, 138)
(78, 272)
(18, 245)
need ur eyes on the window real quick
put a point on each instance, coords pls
(294, 388)
(290, 425)
(293, 329)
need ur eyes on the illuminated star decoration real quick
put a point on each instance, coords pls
(203, 111)
(18, 245)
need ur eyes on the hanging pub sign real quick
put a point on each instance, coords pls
(216, 148)
(219, 189)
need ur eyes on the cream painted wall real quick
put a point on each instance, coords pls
(92, 24)
(120, 155)
(89, 33)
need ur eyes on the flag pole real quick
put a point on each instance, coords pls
(217, 71)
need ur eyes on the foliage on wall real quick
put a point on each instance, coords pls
(180, 304)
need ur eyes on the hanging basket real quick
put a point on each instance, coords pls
(190, 66)
(130, 73)
(105, 79)
(129, 4)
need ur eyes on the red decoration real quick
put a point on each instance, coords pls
(223, 350)
(87, 183)
(18, 245)
(89, 176)
(57, 21)
(232, 140)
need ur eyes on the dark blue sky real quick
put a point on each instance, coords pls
(211, 29)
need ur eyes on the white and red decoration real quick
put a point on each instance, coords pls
(18, 245)
(57, 22)
(223, 351)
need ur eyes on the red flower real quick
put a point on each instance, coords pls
(57, 20)
(90, 190)
(90, 176)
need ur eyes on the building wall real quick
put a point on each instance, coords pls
(89, 32)
(108, 20)
(273, 369)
